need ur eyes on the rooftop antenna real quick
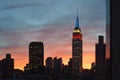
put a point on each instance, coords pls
(77, 20)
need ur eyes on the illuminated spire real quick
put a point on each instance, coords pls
(77, 21)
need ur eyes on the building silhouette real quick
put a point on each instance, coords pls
(27, 68)
(77, 47)
(108, 69)
(70, 63)
(58, 65)
(93, 66)
(100, 59)
(36, 54)
(49, 63)
(18, 74)
(7, 66)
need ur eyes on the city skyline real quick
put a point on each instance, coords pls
(54, 68)
(54, 29)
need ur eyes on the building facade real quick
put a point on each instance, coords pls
(77, 47)
(36, 54)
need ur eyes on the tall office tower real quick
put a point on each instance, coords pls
(49, 63)
(100, 59)
(36, 54)
(7, 66)
(77, 47)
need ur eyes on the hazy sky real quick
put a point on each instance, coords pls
(51, 22)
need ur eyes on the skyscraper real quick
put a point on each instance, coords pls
(49, 63)
(36, 54)
(100, 59)
(7, 66)
(77, 47)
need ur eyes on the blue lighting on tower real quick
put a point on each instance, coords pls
(77, 21)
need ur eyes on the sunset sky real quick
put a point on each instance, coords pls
(51, 22)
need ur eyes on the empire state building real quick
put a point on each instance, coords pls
(77, 48)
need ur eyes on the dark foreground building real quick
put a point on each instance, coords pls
(100, 59)
(49, 63)
(58, 65)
